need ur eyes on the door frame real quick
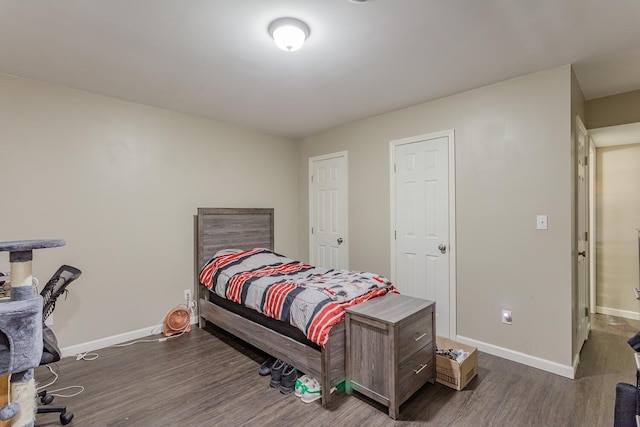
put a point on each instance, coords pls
(583, 288)
(345, 155)
(592, 225)
(450, 135)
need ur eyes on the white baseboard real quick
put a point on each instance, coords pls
(106, 342)
(526, 359)
(114, 339)
(619, 313)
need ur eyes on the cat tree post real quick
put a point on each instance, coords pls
(23, 388)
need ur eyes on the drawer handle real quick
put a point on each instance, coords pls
(420, 337)
(421, 368)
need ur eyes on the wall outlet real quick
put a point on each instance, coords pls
(542, 222)
(187, 294)
(506, 317)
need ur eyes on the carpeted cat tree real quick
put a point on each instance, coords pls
(20, 335)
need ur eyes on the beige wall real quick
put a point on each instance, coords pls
(617, 218)
(121, 183)
(613, 110)
(513, 157)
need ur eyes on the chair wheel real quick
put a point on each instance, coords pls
(46, 399)
(66, 418)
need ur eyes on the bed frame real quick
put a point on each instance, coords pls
(244, 228)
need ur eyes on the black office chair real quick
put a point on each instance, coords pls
(55, 287)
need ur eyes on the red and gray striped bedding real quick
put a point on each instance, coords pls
(313, 299)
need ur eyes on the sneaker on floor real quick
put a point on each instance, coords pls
(265, 368)
(301, 385)
(276, 373)
(313, 391)
(288, 380)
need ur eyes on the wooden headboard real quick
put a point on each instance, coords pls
(232, 228)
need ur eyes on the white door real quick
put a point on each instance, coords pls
(422, 238)
(329, 242)
(582, 153)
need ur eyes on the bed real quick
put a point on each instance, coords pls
(244, 228)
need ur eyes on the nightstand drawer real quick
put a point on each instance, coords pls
(415, 334)
(415, 371)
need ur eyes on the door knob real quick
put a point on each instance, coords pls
(340, 240)
(442, 247)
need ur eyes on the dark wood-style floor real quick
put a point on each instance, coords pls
(210, 379)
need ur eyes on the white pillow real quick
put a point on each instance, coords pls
(228, 252)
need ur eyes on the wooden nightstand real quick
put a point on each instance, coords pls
(390, 348)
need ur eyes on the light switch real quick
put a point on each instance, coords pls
(542, 222)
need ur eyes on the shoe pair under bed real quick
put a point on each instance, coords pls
(285, 378)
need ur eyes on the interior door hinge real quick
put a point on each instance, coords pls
(586, 160)
(311, 178)
(311, 230)
(586, 236)
(586, 311)
(395, 235)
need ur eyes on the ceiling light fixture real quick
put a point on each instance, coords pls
(289, 33)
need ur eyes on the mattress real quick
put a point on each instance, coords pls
(275, 325)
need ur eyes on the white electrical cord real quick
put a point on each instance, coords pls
(87, 356)
(55, 375)
(53, 392)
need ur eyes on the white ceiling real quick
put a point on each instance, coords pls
(214, 58)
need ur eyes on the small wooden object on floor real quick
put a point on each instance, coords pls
(4, 397)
